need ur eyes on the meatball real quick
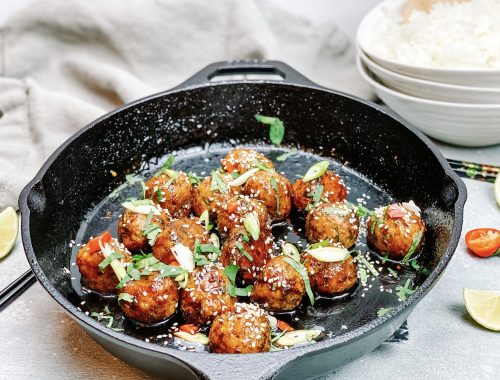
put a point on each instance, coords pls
(183, 231)
(335, 222)
(304, 193)
(242, 160)
(279, 287)
(395, 229)
(329, 279)
(243, 330)
(209, 197)
(233, 212)
(154, 298)
(249, 254)
(131, 229)
(274, 190)
(172, 191)
(205, 295)
(92, 277)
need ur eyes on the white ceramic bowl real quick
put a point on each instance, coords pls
(431, 90)
(463, 77)
(456, 123)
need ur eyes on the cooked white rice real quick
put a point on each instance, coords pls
(458, 35)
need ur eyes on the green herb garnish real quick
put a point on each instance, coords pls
(320, 244)
(168, 163)
(405, 290)
(108, 259)
(383, 311)
(133, 178)
(316, 171)
(260, 165)
(159, 195)
(302, 271)
(230, 271)
(274, 184)
(363, 276)
(413, 247)
(252, 225)
(366, 263)
(276, 128)
(245, 237)
(316, 194)
(393, 272)
(285, 156)
(235, 175)
(126, 297)
(150, 230)
(104, 315)
(194, 178)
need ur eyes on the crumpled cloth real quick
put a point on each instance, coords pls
(65, 63)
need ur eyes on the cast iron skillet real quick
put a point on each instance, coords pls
(370, 142)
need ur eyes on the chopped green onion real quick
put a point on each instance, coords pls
(252, 225)
(363, 276)
(244, 252)
(125, 297)
(133, 178)
(150, 230)
(295, 337)
(276, 128)
(245, 237)
(274, 184)
(144, 206)
(285, 156)
(362, 211)
(159, 195)
(260, 165)
(234, 291)
(301, 270)
(168, 162)
(290, 250)
(215, 240)
(316, 171)
(322, 243)
(316, 194)
(194, 178)
(393, 272)
(240, 180)
(366, 263)
(329, 254)
(218, 183)
(117, 265)
(413, 247)
(108, 259)
(205, 220)
(198, 338)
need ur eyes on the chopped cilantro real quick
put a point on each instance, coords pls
(405, 290)
(126, 297)
(230, 271)
(383, 311)
(218, 183)
(316, 194)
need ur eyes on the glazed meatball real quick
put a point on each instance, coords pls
(393, 229)
(180, 231)
(329, 279)
(335, 222)
(92, 277)
(274, 190)
(240, 247)
(208, 196)
(131, 229)
(243, 330)
(205, 295)
(242, 160)
(233, 212)
(334, 190)
(154, 300)
(279, 287)
(174, 193)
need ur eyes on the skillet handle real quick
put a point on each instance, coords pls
(247, 70)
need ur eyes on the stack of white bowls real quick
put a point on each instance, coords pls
(458, 106)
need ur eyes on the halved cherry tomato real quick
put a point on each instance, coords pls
(395, 212)
(283, 326)
(231, 206)
(484, 242)
(189, 328)
(174, 263)
(104, 238)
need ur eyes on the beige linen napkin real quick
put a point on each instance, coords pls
(64, 63)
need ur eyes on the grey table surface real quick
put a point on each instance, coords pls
(38, 340)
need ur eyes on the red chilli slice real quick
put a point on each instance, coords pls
(395, 212)
(104, 238)
(189, 328)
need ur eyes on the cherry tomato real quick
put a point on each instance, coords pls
(189, 328)
(484, 242)
(104, 238)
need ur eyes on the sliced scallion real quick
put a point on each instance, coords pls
(302, 271)
(252, 225)
(316, 171)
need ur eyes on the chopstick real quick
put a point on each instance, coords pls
(471, 170)
(16, 288)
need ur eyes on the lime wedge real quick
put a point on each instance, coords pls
(8, 230)
(497, 189)
(484, 307)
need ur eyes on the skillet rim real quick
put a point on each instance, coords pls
(286, 355)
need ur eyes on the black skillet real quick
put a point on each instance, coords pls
(375, 151)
